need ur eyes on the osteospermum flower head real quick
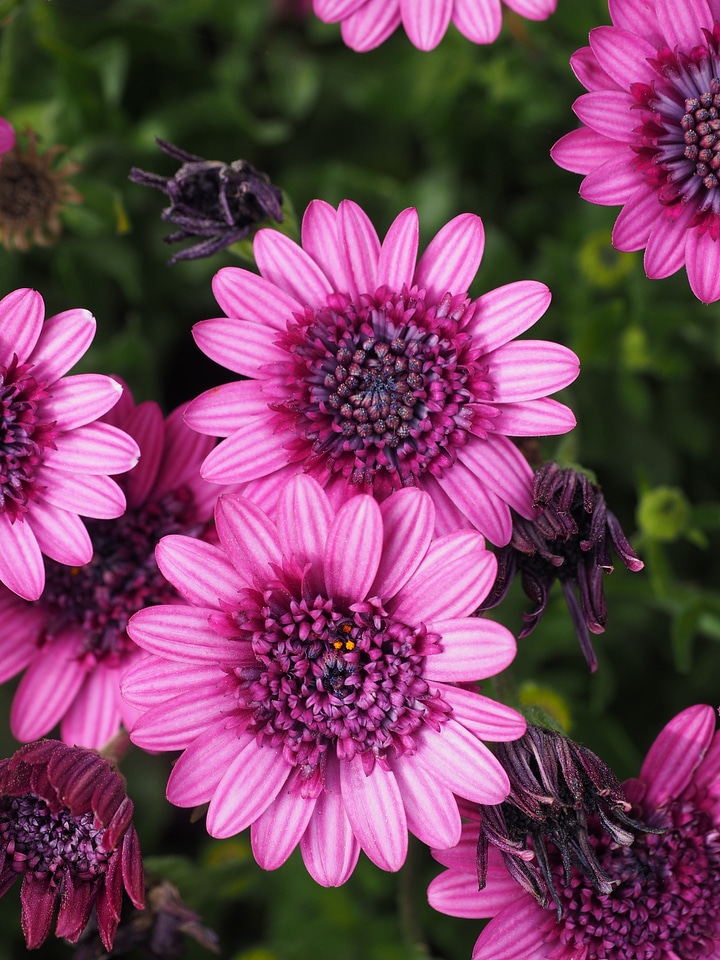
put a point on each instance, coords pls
(650, 138)
(54, 459)
(312, 681)
(368, 23)
(66, 830)
(664, 904)
(72, 642)
(373, 371)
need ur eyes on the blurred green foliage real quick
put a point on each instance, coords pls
(463, 128)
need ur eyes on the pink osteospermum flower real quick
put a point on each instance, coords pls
(317, 682)
(66, 829)
(7, 136)
(72, 642)
(650, 139)
(665, 904)
(55, 460)
(368, 23)
(374, 372)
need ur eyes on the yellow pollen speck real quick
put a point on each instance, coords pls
(349, 644)
(337, 644)
(346, 627)
(74, 571)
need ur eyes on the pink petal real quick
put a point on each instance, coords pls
(479, 22)
(94, 717)
(514, 934)
(591, 75)
(331, 11)
(246, 296)
(676, 754)
(22, 626)
(199, 571)
(48, 687)
(533, 9)
(583, 150)
(408, 518)
(506, 312)
(352, 550)
(369, 26)
(182, 633)
(452, 258)
(665, 251)
(82, 398)
(451, 581)
(304, 517)
(682, 22)
(473, 648)
(252, 452)
(242, 346)
(176, 723)
(637, 16)
(398, 254)
(21, 563)
(65, 339)
(426, 23)
(329, 847)
(182, 454)
(623, 55)
(500, 466)
(248, 536)
(637, 219)
(146, 425)
(7, 135)
(613, 182)
(529, 369)
(21, 323)
(95, 448)
(534, 418)
(431, 810)
(448, 517)
(455, 894)
(201, 767)
(320, 241)
(609, 112)
(289, 267)
(702, 260)
(375, 809)
(95, 496)
(463, 763)
(359, 246)
(279, 829)
(485, 510)
(249, 785)
(485, 718)
(151, 680)
(62, 536)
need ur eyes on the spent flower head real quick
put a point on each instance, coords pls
(568, 540)
(208, 198)
(66, 830)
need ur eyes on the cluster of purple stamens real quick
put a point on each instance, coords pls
(23, 436)
(378, 387)
(701, 124)
(38, 841)
(122, 577)
(666, 899)
(325, 677)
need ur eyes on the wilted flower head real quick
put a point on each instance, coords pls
(373, 370)
(651, 133)
(209, 198)
(569, 540)
(66, 830)
(32, 193)
(317, 679)
(368, 23)
(556, 785)
(665, 898)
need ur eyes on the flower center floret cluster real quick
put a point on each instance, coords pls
(318, 679)
(372, 370)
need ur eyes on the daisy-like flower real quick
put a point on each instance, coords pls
(54, 459)
(66, 829)
(374, 372)
(317, 680)
(72, 642)
(366, 24)
(650, 138)
(665, 901)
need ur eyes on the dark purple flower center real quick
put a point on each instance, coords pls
(348, 679)
(667, 898)
(678, 143)
(378, 388)
(23, 437)
(123, 576)
(35, 840)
